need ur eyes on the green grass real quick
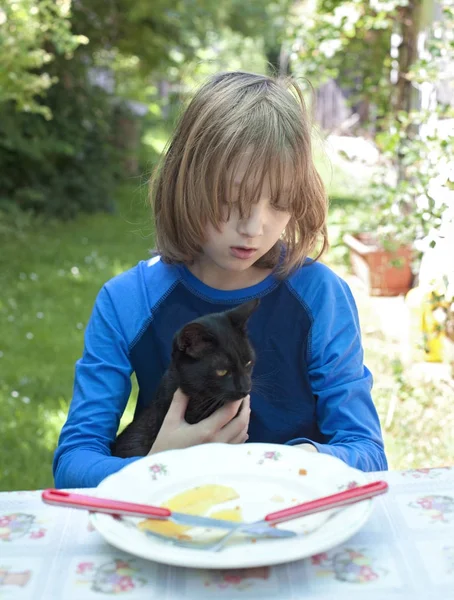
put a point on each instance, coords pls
(50, 277)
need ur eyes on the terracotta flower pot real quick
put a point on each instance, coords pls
(377, 267)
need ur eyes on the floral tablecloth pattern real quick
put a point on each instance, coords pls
(405, 551)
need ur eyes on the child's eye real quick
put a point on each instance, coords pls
(221, 372)
(283, 207)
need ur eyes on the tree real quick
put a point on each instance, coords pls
(168, 32)
(49, 50)
(32, 33)
(346, 40)
(371, 46)
(151, 36)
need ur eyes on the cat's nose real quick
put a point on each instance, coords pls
(243, 386)
(244, 391)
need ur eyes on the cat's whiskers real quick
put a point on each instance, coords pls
(212, 404)
(268, 375)
(210, 410)
(263, 387)
(265, 382)
(206, 406)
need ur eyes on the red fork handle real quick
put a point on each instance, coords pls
(362, 492)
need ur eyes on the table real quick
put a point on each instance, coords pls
(405, 551)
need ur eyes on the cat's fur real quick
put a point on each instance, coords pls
(201, 349)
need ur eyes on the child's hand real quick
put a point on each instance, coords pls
(221, 426)
(307, 447)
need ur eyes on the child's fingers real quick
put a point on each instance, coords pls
(245, 405)
(240, 438)
(221, 426)
(219, 419)
(235, 432)
(177, 408)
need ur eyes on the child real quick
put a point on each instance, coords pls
(238, 208)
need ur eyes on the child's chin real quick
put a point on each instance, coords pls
(240, 265)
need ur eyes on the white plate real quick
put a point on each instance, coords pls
(267, 477)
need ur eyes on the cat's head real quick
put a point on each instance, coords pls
(214, 359)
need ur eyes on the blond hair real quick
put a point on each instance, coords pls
(232, 114)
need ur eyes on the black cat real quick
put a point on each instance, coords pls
(212, 361)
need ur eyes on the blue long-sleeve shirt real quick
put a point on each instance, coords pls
(310, 383)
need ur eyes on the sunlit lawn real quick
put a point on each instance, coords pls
(50, 275)
(49, 280)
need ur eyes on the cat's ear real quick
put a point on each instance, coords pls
(240, 315)
(195, 340)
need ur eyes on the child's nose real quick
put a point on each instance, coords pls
(251, 225)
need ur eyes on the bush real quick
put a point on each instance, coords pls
(65, 165)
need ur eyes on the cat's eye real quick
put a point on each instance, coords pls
(248, 364)
(221, 372)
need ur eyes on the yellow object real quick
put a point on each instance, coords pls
(433, 338)
(195, 501)
(425, 341)
(167, 528)
(198, 500)
(229, 514)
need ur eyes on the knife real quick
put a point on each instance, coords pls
(132, 509)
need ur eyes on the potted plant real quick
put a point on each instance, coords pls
(411, 196)
(384, 269)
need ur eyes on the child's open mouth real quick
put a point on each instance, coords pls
(244, 253)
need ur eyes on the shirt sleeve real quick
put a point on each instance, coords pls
(101, 390)
(342, 384)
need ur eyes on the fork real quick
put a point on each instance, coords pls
(333, 501)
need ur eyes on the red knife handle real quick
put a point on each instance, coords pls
(59, 498)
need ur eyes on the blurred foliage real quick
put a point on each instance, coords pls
(225, 50)
(351, 41)
(345, 40)
(65, 164)
(32, 33)
(169, 32)
(75, 64)
(414, 187)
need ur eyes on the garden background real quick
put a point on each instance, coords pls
(89, 93)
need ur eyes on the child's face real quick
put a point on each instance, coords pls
(240, 242)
